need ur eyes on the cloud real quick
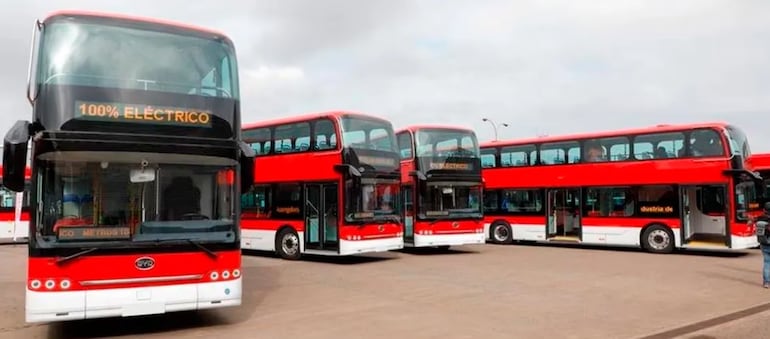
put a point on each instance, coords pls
(541, 66)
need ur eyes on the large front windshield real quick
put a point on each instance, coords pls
(368, 134)
(446, 143)
(92, 54)
(451, 199)
(371, 200)
(96, 197)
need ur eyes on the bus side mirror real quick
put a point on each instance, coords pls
(15, 156)
(246, 162)
(347, 168)
(418, 174)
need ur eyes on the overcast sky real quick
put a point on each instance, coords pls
(544, 67)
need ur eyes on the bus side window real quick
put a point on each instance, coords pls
(324, 134)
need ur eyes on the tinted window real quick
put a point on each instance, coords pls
(325, 135)
(518, 156)
(120, 57)
(259, 140)
(556, 153)
(659, 146)
(488, 158)
(364, 133)
(739, 144)
(521, 201)
(405, 145)
(292, 137)
(609, 202)
(706, 143)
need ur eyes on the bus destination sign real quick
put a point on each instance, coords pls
(93, 233)
(140, 113)
(377, 161)
(450, 166)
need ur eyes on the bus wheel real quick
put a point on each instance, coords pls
(501, 233)
(658, 239)
(287, 244)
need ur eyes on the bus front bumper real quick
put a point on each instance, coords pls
(62, 305)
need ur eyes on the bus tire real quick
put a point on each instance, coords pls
(500, 233)
(657, 238)
(287, 244)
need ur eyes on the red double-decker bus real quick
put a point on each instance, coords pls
(14, 212)
(441, 186)
(659, 188)
(326, 183)
(136, 165)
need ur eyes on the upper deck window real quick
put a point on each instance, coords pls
(739, 143)
(405, 145)
(706, 142)
(446, 143)
(140, 57)
(488, 158)
(371, 134)
(659, 145)
(560, 153)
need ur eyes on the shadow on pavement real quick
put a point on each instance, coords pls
(689, 252)
(339, 260)
(257, 282)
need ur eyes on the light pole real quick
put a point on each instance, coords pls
(494, 126)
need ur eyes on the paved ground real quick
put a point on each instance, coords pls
(485, 291)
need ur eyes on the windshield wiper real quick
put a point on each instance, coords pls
(209, 252)
(73, 256)
(392, 218)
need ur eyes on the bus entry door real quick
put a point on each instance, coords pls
(321, 214)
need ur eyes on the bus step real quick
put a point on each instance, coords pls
(564, 239)
(701, 243)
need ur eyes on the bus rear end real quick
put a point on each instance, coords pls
(441, 177)
(135, 162)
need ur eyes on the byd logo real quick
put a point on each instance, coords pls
(144, 263)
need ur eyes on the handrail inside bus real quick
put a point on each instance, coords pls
(197, 88)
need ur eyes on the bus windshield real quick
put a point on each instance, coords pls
(451, 199)
(372, 200)
(77, 52)
(112, 198)
(446, 143)
(367, 134)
